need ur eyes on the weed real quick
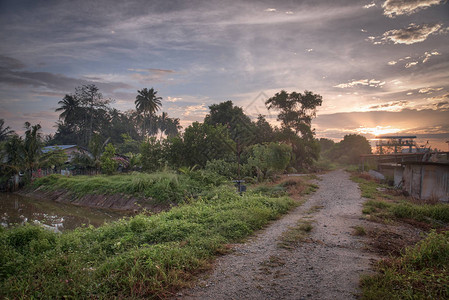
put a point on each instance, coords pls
(295, 234)
(422, 272)
(359, 231)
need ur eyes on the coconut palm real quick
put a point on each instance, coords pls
(172, 127)
(147, 103)
(32, 147)
(4, 132)
(70, 109)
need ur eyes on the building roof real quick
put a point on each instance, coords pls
(57, 147)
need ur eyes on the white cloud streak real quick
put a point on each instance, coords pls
(393, 8)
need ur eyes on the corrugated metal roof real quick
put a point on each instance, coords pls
(56, 147)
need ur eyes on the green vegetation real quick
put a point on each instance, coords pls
(422, 272)
(384, 206)
(163, 187)
(346, 152)
(143, 256)
(295, 234)
(359, 230)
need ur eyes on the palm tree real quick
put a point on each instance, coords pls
(147, 103)
(173, 127)
(4, 132)
(32, 147)
(163, 122)
(70, 107)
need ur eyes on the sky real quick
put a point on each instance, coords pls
(382, 66)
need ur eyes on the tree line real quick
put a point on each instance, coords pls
(226, 142)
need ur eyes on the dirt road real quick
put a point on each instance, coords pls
(327, 266)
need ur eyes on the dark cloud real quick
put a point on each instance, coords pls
(12, 73)
(10, 63)
(393, 8)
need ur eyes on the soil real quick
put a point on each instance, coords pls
(327, 265)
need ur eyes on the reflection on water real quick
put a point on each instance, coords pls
(16, 209)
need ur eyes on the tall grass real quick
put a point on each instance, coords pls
(162, 186)
(422, 272)
(139, 257)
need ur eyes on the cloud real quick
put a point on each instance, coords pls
(145, 75)
(393, 8)
(392, 63)
(372, 4)
(12, 73)
(409, 35)
(428, 55)
(411, 64)
(270, 9)
(361, 82)
(173, 99)
(429, 90)
(390, 106)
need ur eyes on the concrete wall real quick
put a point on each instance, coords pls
(427, 181)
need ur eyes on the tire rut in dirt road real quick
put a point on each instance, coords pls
(327, 266)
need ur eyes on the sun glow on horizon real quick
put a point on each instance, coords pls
(378, 130)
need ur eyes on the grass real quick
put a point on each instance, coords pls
(359, 231)
(422, 272)
(139, 257)
(295, 234)
(163, 187)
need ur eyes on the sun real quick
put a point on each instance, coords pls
(378, 130)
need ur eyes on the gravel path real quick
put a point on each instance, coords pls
(328, 266)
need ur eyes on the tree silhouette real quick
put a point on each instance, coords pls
(147, 103)
(5, 132)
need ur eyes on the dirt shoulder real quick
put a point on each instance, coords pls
(327, 265)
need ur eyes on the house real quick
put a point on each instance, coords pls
(70, 150)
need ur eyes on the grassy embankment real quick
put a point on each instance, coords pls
(162, 187)
(139, 257)
(421, 271)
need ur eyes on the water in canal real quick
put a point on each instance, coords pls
(17, 209)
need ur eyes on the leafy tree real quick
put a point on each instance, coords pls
(269, 159)
(5, 132)
(326, 144)
(94, 105)
(53, 158)
(152, 155)
(203, 142)
(108, 164)
(240, 127)
(350, 148)
(129, 145)
(296, 112)
(13, 159)
(147, 103)
(264, 132)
